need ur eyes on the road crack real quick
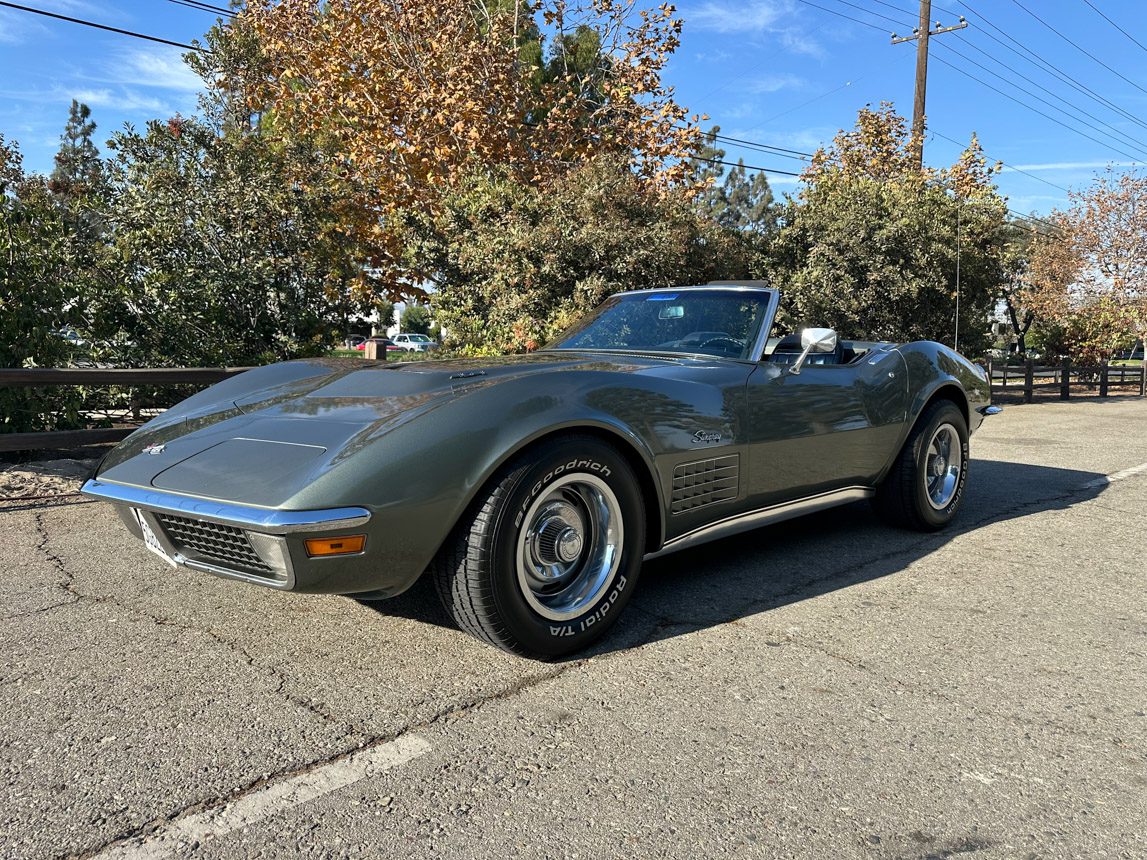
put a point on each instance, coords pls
(443, 715)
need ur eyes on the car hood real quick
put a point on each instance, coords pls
(260, 437)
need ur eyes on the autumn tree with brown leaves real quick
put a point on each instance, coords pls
(410, 98)
(1089, 276)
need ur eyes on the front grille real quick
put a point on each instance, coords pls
(212, 542)
(705, 482)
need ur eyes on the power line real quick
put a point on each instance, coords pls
(1033, 109)
(102, 27)
(1009, 166)
(1079, 48)
(745, 166)
(805, 104)
(842, 15)
(871, 12)
(204, 7)
(1113, 24)
(1054, 95)
(1033, 219)
(901, 9)
(764, 147)
(1129, 140)
(1040, 63)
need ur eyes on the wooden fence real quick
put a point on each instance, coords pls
(43, 376)
(1026, 380)
(1029, 378)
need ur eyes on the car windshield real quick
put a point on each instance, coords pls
(418, 338)
(724, 322)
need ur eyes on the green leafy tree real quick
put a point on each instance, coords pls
(217, 258)
(416, 319)
(734, 200)
(33, 297)
(879, 249)
(515, 264)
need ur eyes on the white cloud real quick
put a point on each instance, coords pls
(804, 140)
(801, 43)
(775, 83)
(155, 67)
(123, 100)
(1074, 165)
(723, 17)
(15, 27)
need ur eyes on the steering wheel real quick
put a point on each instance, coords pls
(725, 343)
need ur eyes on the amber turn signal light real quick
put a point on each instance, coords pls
(335, 546)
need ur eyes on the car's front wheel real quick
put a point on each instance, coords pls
(925, 486)
(549, 553)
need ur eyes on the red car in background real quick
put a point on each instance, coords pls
(390, 345)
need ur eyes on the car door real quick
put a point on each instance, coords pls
(830, 426)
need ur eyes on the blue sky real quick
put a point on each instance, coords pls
(781, 72)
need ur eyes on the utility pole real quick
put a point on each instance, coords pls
(921, 34)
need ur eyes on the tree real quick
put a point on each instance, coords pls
(416, 319)
(1089, 275)
(1019, 242)
(871, 244)
(33, 297)
(515, 264)
(1106, 226)
(216, 256)
(737, 201)
(409, 99)
(78, 168)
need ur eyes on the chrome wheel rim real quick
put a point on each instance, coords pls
(942, 466)
(569, 546)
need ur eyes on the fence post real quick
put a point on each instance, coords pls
(1143, 377)
(1065, 379)
(1103, 374)
(1029, 380)
(1005, 373)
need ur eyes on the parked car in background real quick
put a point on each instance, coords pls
(353, 340)
(1133, 354)
(390, 345)
(70, 335)
(532, 487)
(415, 342)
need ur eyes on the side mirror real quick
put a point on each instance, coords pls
(814, 340)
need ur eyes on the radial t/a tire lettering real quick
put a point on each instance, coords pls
(549, 553)
(925, 486)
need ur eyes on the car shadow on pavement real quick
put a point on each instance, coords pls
(769, 567)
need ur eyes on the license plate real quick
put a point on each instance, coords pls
(149, 539)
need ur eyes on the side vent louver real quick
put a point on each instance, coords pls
(705, 482)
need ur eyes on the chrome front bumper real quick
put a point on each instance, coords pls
(234, 541)
(266, 520)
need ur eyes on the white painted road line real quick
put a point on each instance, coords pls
(1116, 476)
(269, 800)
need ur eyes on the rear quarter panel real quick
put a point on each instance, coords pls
(932, 367)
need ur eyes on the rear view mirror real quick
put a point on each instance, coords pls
(818, 340)
(671, 312)
(814, 340)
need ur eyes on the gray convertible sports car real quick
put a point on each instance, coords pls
(532, 487)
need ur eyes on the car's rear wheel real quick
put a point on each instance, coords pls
(925, 486)
(550, 551)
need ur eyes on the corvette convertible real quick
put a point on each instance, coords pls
(532, 487)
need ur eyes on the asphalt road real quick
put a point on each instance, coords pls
(823, 688)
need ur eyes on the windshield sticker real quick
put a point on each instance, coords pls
(661, 297)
